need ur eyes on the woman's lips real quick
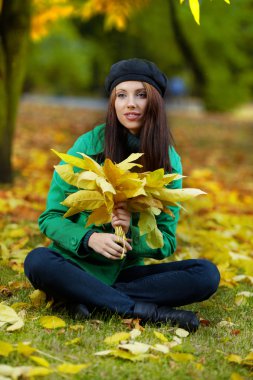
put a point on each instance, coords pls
(132, 116)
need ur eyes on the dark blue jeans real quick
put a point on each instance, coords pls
(172, 284)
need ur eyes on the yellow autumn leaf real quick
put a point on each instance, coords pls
(112, 172)
(39, 371)
(227, 1)
(135, 348)
(38, 298)
(71, 369)
(118, 337)
(84, 200)
(168, 178)
(105, 185)
(41, 361)
(16, 326)
(128, 164)
(92, 165)
(73, 341)
(181, 357)
(147, 222)
(5, 348)
(72, 160)
(103, 353)
(52, 322)
(242, 298)
(248, 360)
(76, 327)
(182, 333)
(160, 336)
(178, 195)
(8, 314)
(236, 376)
(134, 333)
(66, 172)
(161, 348)
(9, 372)
(25, 349)
(154, 239)
(194, 7)
(234, 358)
(99, 216)
(87, 180)
(129, 356)
(155, 178)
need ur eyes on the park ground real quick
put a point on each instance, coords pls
(217, 156)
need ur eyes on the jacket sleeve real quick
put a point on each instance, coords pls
(67, 233)
(166, 224)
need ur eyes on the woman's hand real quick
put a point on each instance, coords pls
(121, 217)
(108, 245)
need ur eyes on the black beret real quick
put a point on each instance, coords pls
(138, 70)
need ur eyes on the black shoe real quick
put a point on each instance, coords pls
(181, 318)
(78, 311)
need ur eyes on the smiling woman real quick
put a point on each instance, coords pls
(84, 266)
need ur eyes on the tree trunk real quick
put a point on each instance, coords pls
(15, 19)
(187, 50)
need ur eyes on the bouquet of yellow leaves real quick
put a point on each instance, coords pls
(103, 186)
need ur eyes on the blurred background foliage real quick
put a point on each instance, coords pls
(214, 59)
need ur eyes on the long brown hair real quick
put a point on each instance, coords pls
(155, 135)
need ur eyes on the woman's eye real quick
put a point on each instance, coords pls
(142, 94)
(121, 95)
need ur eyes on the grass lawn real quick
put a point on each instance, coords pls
(217, 155)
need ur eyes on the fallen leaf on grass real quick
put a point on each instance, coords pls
(38, 298)
(160, 336)
(181, 357)
(236, 376)
(235, 332)
(73, 341)
(234, 358)
(41, 361)
(204, 322)
(161, 348)
(25, 349)
(242, 298)
(39, 371)
(135, 348)
(5, 348)
(182, 333)
(9, 316)
(52, 322)
(13, 372)
(76, 327)
(225, 323)
(118, 337)
(71, 368)
(134, 333)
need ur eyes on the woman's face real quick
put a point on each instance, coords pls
(130, 105)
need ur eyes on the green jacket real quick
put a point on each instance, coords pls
(67, 233)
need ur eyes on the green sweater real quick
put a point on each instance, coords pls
(67, 233)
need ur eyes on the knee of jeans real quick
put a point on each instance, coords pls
(210, 277)
(33, 262)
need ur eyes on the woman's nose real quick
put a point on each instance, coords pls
(131, 102)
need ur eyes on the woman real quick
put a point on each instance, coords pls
(83, 266)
